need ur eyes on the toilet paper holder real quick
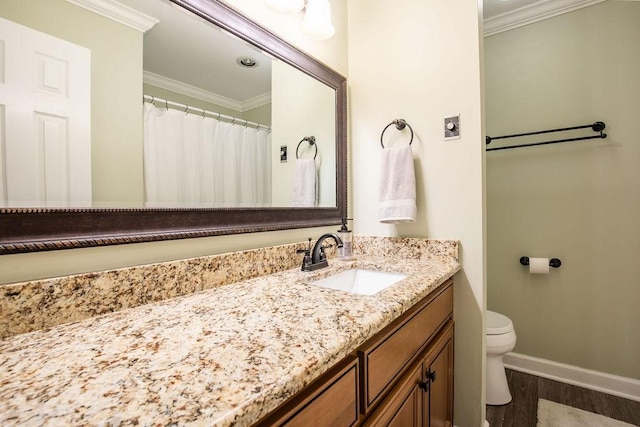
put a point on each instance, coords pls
(553, 262)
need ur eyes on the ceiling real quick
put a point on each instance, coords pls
(185, 48)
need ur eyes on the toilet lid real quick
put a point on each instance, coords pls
(498, 324)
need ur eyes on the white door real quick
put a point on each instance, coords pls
(45, 120)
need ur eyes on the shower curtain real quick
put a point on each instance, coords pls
(195, 161)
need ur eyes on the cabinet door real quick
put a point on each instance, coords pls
(403, 407)
(439, 374)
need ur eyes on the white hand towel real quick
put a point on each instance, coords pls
(397, 190)
(304, 183)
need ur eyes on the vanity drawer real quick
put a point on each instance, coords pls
(332, 400)
(386, 356)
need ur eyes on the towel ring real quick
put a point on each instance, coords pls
(312, 141)
(400, 125)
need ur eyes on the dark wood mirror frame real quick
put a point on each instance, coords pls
(42, 229)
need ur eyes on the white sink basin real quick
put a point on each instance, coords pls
(358, 281)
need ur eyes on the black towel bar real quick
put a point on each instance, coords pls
(596, 127)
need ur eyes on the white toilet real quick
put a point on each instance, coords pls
(501, 338)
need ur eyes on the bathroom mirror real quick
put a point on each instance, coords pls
(32, 228)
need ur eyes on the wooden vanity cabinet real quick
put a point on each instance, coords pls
(407, 368)
(386, 356)
(424, 395)
(403, 376)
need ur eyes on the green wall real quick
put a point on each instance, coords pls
(261, 114)
(578, 201)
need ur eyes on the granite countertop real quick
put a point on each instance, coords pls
(224, 356)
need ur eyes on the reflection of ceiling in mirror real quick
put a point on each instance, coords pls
(181, 38)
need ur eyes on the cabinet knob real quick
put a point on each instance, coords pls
(424, 385)
(432, 376)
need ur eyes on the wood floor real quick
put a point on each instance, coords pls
(526, 389)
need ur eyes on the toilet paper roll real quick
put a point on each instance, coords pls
(538, 265)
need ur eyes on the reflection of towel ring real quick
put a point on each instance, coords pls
(400, 124)
(312, 141)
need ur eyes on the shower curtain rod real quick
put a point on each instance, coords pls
(596, 127)
(199, 111)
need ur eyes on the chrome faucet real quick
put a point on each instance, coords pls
(316, 258)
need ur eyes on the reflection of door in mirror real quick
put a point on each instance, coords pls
(116, 89)
(45, 145)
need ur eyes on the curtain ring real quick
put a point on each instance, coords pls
(233, 122)
(166, 104)
(218, 118)
(203, 113)
(186, 109)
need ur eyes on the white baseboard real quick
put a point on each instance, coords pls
(627, 388)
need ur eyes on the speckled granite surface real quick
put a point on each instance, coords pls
(407, 247)
(30, 306)
(224, 356)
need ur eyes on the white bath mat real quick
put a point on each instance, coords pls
(552, 414)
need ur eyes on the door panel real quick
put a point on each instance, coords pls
(45, 95)
(404, 404)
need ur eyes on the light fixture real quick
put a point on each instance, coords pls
(247, 61)
(317, 20)
(285, 6)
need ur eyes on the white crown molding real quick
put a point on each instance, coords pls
(198, 93)
(256, 101)
(189, 90)
(118, 12)
(538, 11)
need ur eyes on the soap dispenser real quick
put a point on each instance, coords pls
(346, 235)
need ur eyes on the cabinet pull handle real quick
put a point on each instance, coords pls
(432, 376)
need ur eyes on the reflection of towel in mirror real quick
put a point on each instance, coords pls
(304, 183)
(397, 189)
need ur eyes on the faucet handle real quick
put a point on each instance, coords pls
(305, 251)
(306, 260)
